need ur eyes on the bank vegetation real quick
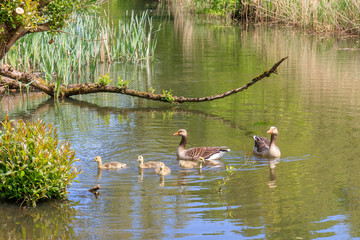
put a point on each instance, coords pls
(326, 16)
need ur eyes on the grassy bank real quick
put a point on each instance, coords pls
(337, 16)
(90, 40)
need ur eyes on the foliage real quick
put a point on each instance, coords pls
(322, 15)
(34, 165)
(167, 96)
(121, 83)
(104, 80)
(56, 13)
(216, 7)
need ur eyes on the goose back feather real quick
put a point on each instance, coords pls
(208, 153)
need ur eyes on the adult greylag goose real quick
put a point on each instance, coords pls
(192, 164)
(109, 165)
(265, 148)
(208, 153)
(162, 170)
(150, 164)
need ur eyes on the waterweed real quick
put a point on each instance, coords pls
(34, 164)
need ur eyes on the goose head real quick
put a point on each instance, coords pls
(273, 130)
(181, 132)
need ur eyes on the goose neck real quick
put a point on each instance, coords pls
(183, 142)
(273, 139)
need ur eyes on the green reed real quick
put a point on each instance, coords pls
(88, 41)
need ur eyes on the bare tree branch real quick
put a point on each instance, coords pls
(77, 89)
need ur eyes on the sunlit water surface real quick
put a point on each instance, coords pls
(311, 192)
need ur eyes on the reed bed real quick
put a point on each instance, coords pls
(88, 41)
(320, 15)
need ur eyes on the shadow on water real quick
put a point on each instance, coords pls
(51, 104)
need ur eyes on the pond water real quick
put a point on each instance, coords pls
(311, 192)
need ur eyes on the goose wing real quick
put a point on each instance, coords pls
(205, 152)
(261, 144)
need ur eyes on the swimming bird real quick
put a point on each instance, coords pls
(109, 165)
(192, 164)
(162, 170)
(150, 164)
(208, 153)
(265, 148)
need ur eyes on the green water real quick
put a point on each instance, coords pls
(311, 192)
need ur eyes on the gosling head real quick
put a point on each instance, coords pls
(140, 159)
(97, 159)
(201, 160)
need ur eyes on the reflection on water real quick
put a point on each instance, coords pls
(273, 177)
(311, 192)
(47, 221)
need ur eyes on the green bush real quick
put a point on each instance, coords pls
(34, 165)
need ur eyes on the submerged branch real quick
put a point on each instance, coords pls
(78, 89)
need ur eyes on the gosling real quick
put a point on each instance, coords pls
(162, 170)
(109, 165)
(150, 164)
(192, 164)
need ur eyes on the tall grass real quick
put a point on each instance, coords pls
(90, 41)
(319, 15)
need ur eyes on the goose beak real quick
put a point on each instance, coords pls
(270, 131)
(175, 134)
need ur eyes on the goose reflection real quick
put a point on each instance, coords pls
(141, 175)
(99, 173)
(273, 177)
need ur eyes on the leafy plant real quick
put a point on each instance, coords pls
(167, 96)
(230, 170)
(34, 164)
(122, 84)
(104, 80)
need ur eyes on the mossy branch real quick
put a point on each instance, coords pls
(78, 89)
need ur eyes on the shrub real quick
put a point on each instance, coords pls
(34, 165)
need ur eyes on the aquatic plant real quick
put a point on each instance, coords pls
(34, 164)
(230, 170)
(74, 52)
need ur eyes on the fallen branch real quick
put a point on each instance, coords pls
(77, 89)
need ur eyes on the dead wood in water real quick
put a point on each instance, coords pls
(78, 89)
